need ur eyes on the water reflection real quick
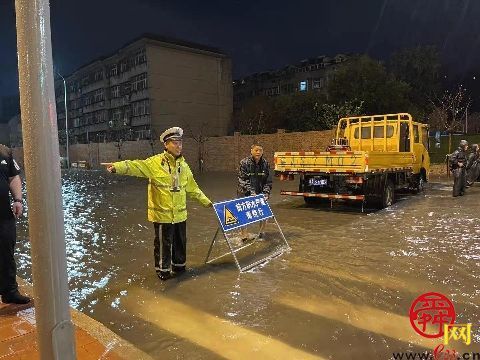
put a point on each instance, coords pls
(332, 296)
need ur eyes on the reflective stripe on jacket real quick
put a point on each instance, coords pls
(165, 205)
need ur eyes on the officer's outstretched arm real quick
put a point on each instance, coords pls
(139, 168)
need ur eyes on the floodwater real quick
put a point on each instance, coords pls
(343, 291)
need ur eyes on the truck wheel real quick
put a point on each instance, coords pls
(388, 196)
(420, 184)
(311, 200)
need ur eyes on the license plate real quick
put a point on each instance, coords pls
(318, 182)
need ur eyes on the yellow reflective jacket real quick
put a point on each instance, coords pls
(164, 205)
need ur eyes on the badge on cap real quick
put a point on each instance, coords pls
(174, 133)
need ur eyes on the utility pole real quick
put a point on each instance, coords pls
(55, 330)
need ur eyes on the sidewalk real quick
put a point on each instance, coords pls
(18, 336)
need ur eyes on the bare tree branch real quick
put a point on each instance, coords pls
(450, 109)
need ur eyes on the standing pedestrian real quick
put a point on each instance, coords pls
(10, 182)
(254, 178)
(458, 162)
(473, 165)
(170, 181)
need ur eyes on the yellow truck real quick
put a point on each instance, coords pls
(369, 159)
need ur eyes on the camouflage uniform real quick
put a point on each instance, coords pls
(473, 165)
(459, 173)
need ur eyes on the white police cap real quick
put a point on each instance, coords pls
(174, 133)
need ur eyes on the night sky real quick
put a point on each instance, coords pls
(258, 35)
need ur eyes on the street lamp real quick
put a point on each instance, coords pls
(66, 114)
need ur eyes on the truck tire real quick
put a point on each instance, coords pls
(388, 195)
(420, 181)
(420, 185)
(303, 187)
(311, 200)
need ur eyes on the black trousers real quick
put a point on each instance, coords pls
(8, 268)
(459, 181)
(173, 250)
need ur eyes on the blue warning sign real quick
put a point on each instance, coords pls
(236, 213)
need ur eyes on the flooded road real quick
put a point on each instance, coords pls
(342, 292)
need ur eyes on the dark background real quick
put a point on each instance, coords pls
(258, 35)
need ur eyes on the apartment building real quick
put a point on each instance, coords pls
(311, 74)
(148, 85)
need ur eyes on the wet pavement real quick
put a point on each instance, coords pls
(342, 292)
(18, 335)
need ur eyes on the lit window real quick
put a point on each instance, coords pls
(303, 86)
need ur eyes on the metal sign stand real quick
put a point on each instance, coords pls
(234, 251)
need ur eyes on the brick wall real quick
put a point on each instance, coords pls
(219, 153)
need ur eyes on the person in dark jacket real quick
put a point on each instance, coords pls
(10, 183)
(458, 164)
(254, 178)
(473, 165)
(254, 175)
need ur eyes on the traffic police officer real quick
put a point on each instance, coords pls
(170, 181)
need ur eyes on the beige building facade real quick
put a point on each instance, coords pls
(145, 87)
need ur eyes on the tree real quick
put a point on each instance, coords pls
(257, 116)
(450, 111)
(200, 138)
(152, 137)
(419, 67)
(452, 106)
(331, 113)
(474, 123)
(366, 80)
(299, 112)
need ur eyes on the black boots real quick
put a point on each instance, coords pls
(15, 297)
(164, 275)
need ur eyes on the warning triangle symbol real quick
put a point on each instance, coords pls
(229, 218)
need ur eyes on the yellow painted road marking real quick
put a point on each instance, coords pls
(412, 286)
(215, 334)
(362, 317)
